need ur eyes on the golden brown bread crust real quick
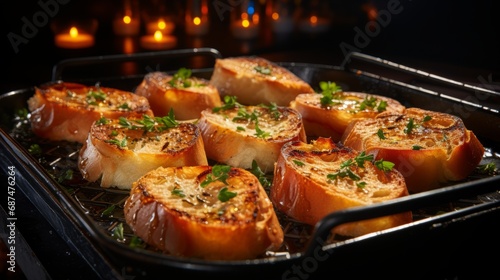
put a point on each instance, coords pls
(65, 111)
(117, 156)
(236, 143)
(302, 189)
(169, 209)
(255, 80)
(186, 101)
(436, 150)
(332, 120)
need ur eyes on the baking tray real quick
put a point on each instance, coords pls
(86, 215)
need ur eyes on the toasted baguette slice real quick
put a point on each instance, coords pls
(331, 119)
(65, 111)
(303, 190)
(186, 95)
(119, 151)
(429, 148)
(170, 209)
(232, 137)
(255, 80)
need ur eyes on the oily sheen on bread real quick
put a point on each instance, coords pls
(65, 111)
(255, 80)
(192, 212)
(325, 117)
(119, 151)
(312, 180)
(237, 135)
(181, 92)
(429, 148)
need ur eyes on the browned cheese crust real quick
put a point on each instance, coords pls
(436, 148)
(302, 189)
(169, 209)
(65, 111)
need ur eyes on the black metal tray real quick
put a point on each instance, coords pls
(442, 217)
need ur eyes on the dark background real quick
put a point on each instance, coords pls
(456, 39)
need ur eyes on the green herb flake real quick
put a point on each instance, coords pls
(181, 78)
(487, 169)
(225, 195)
(118, 232)
(298, 162)
(330, 91)
(416, 147)
(108, 211)
(263, 70)
(229, 103)
(409, 126)
(178, 192)
(22, 113)
(384, 165)
(35, 149)
(380, 134)
(427, 118)
(136, 242)
(219, 173)
(260, 175)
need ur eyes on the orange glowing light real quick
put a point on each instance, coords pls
(255, 18)
(197, 21)
(73, 32)
(245, 23)
(161, 24)
(313, 19)
(275, 16)
(244, 16)
(158, 35)
(127, 19)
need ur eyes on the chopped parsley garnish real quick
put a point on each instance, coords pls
(225, 195)
(118, 232)
(427, 118)
(219, 173)
(149, 124)
(22, 113)
(298, 162)
(65, 176)
(35, 149)
(273, 110)
(259, 132)
(346, 168)
(229, 103)
(409, 126)
(488, 168)
(178, 192)
(95, 96)
(380, 134)
(120, 143)
(102, 121)
(136, 242)
(125, 107)
(181, 78)
(263, 70)
(108, 211)
(416, 147)
(260, 174)
(371, 102)
(383, 165)
(329, 90)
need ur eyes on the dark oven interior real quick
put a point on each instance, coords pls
(450, 224)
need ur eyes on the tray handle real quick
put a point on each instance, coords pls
(352, 57)
(58, 69)
(323, 228)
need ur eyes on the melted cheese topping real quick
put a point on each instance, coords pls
(96, 98)
(440, 132)
(156, 141)
(316, 164)
(273, 124)
(179, 190)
